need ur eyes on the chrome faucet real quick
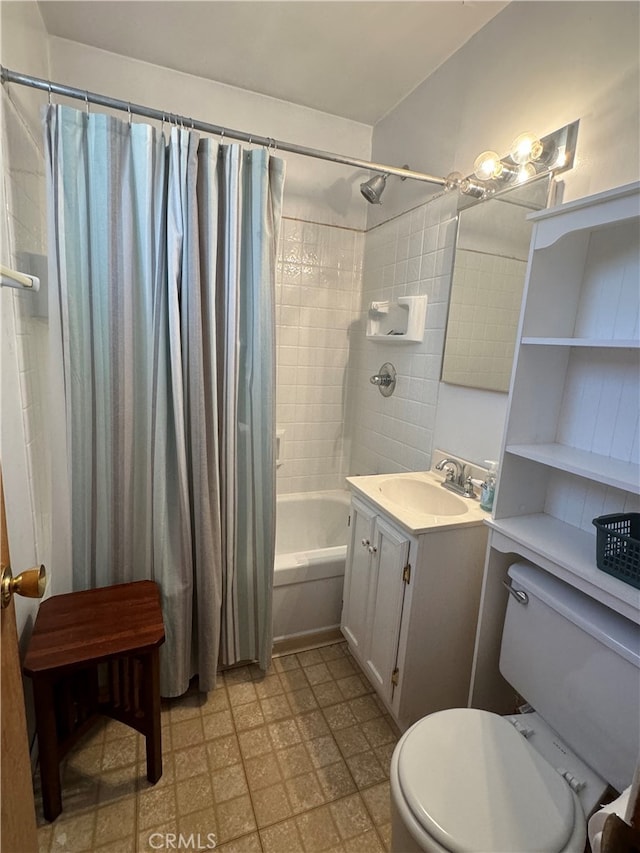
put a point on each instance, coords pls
(456, 478)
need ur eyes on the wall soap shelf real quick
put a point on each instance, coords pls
(399, 321)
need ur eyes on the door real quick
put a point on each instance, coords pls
(387, 586)
(18, 816)
(357, 578)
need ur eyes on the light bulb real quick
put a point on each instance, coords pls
(487, 165)
(526, 171)
(525, 148)
(452, 181)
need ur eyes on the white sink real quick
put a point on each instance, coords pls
(420, 496)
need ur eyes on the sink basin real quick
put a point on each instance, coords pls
(420, 496)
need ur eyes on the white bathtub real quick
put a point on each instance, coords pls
(311, 548)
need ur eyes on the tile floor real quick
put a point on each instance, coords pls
(296, 761)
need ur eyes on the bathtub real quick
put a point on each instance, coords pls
(311, 548)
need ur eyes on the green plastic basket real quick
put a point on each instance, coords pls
(618, 546)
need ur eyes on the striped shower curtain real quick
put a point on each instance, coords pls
(162, 262)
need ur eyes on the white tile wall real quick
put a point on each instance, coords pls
(409, 255)
(317, 298)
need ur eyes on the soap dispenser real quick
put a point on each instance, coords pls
(488, 489)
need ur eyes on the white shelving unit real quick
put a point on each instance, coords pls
(571, 448)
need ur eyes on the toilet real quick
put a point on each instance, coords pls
(469, 781)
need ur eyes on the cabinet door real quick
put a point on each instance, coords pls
(386, 592)
(357, 579)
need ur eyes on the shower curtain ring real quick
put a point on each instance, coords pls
(129, 112)
(162, 125)
(86, 100)
(49, 87)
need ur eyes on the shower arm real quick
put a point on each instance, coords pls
(9, 76)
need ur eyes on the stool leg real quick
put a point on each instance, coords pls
(153, 730)
(47, 747)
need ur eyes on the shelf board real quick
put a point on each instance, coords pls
(570, 553)
(594, 466)
(603, 343)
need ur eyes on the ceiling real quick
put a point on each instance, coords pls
(352, 59)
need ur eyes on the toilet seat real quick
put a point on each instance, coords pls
(472, 782)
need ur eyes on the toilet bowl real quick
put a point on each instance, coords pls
(465, 780)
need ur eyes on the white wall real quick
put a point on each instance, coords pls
(536, 66)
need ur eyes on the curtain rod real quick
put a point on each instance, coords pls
(9, 76)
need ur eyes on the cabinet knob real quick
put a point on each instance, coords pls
(365, 542)
(372, 549)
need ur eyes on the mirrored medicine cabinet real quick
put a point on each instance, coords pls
(489, 266)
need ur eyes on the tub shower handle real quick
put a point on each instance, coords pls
(365, 542)
(372, 549)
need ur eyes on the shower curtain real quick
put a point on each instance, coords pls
(162, 263)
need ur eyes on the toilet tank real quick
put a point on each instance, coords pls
(578, 664)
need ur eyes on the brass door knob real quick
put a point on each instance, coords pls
(31, 583)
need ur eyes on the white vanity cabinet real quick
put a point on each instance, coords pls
(571, 441)
(410, 609)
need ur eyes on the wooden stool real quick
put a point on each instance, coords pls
(95, 652)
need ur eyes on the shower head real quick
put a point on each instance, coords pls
(373, 188)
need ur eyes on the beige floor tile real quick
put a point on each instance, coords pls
(116, 820)
(194, 794)
(241, 693)
(286, 663)
(262, 771)
(245, 844)
(271, 805)
(385, 835)
(318, 830)
(117, 784)
(312, 724)
(284, 733)
(368, 842)
(87, 761)
(167, 778)
(340, 716)
(121, 752)
(378, 732)
(247, 716)
(223, 751)
(351, 741)
(302, 700)
(294, 761)
(186, 707)
(268, 686)
(44, 836)
(235, 818)
(186, 733)
(156, 806)
(366, 769)
(216, 700)
(294, 679)
(332, 652)
(336, 781)
(217, 724)
(281, 838)
(121, 845)
(228, 783)
(327, 693)
(190, 762)
(384, 754)
(73, 834)
(318, 673)
(237, 675)
(255, 742)
(275, 708)
(364, 708)
(378, 802)
(323, 751)
(304, 792)
(342, 667)
(201, 826)
(310, 657)
(353, 686)
(80, 790)
(351, 816)
(152, 839)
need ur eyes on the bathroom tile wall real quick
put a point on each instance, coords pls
(410, 255)
(317, 300)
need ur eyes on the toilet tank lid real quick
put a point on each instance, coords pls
(613, 630)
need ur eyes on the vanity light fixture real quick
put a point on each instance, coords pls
(529, 157)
